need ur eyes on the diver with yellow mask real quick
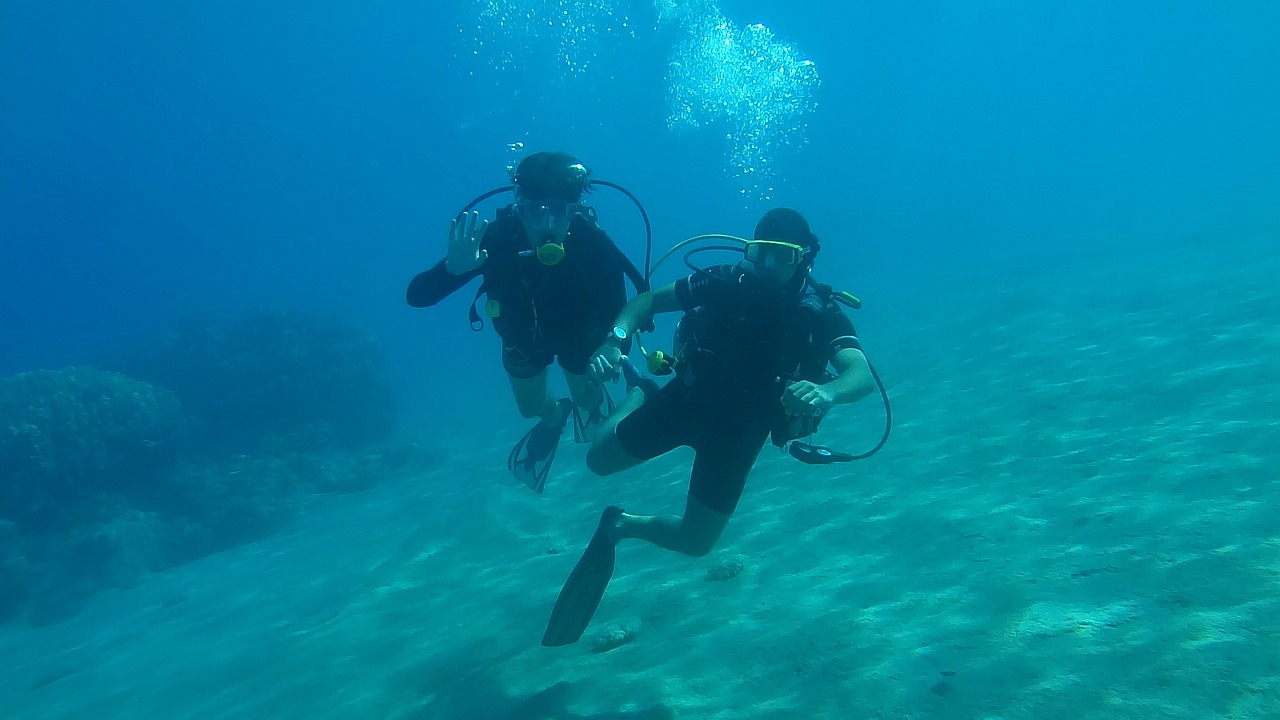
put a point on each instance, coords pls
(751, 362)
(553, 281)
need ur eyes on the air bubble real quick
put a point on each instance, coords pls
(719, 73)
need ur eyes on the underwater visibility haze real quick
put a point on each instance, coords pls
(241, 477)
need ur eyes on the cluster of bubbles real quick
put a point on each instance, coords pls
(678, 11)
(558, 39)
(742, 81)
(758, 89)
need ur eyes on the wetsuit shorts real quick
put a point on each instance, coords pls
(725, 436)
(525, 360)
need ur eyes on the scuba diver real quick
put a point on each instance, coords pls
(752, 352)
(554, 281)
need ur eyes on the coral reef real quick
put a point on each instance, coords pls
(215, 435)
(14, 572)
(271, 377)
(67, 435)
(46, 573)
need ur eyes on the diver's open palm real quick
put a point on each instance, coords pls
(465, 253)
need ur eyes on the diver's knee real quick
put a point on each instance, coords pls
(606, 455)
(701, 529)
(594, 462)
(699, 542)
(598, 461)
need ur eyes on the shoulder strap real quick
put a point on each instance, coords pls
(473, 315)
(830, 295)
(638, 279)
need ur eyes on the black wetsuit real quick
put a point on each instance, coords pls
(544, 311)
(743, 346)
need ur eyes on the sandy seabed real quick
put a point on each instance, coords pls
(1076, 517)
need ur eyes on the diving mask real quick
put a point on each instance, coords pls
(547, 223)
(771, 254)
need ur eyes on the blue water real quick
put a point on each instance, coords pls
(161, 159)
(155, 159)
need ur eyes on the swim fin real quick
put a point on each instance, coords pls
(582, 592)
(530, 460)
(585, 428)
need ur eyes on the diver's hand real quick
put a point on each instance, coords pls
(606, 363)
(465, 253)
(806, 398)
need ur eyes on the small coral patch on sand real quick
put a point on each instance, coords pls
(615, 636)
(726, 567)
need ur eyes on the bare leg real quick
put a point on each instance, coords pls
(606, 455)
(693, 534)
(587, 394)
(534, 398)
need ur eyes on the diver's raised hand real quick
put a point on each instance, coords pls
(465, 253)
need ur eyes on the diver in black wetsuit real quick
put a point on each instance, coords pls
(554, 282)
(752, 353)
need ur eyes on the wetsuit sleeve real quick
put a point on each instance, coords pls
(837, 330)
(430, 287)
(700, 288)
